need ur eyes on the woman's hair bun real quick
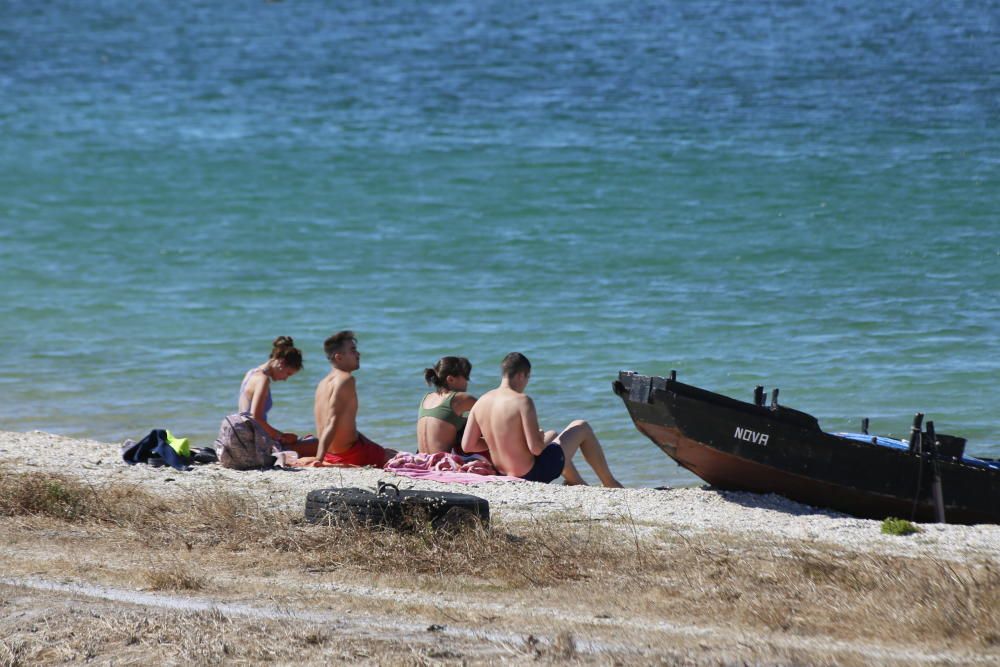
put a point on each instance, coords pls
(438, 376)
(284, 341)
(285, 350)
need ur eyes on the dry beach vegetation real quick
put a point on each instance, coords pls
(106, 563)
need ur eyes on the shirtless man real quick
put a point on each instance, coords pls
(504, 422)
(336, 409)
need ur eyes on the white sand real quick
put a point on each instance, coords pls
(694, 512)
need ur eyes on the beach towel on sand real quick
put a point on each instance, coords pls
(446, 467)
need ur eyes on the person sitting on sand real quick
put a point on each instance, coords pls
(336, 409)
(255, 392)
(441, 417)
(504, 422)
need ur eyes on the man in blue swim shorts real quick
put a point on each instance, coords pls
(504, 422)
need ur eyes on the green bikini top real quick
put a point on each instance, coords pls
(444, 412)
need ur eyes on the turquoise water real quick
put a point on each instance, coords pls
(793, 194)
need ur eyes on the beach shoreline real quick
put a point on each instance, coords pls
(696, 508)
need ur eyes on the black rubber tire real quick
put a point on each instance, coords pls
(345, 505)
(440, 508)
(405, 508)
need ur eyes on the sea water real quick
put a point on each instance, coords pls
(798, 194)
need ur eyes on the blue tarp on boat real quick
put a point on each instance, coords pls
(893, 443)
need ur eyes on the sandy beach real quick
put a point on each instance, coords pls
(426, 618)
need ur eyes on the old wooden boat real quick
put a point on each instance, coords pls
(763, 448)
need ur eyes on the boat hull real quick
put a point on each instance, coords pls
(745, 447)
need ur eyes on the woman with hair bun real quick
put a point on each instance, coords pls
(255, 392)
(443, 412)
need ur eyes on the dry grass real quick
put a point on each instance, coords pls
(102, 633)
(69, 499)
(175, 576)
(797, 589)
(13, 652)
(98, 633)
(811, 589)
(237, 523)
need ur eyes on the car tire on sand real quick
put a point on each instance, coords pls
(390, 506)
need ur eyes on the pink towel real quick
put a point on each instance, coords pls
(446, 467)
(456, 477)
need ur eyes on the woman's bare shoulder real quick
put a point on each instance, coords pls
(257, 380)
(463, 402)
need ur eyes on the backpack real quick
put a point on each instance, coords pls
(243, 445)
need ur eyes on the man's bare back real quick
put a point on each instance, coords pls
(336, 412)
(508, 424)
(504, 421)
(336, 409)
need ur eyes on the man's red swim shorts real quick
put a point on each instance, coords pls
(364, 452)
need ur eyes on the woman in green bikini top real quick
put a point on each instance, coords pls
(443, 412)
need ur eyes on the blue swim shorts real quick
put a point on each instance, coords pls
(548, 465)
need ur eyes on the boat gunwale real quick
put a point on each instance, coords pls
(791, 417)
